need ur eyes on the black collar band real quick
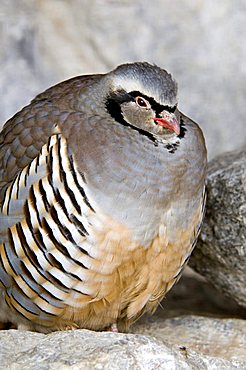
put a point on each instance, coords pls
(114, 100)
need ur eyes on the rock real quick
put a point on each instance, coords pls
(222, 338)
(83, 349)
(220, 254)
(43, 42)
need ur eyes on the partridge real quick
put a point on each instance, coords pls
(101, 200)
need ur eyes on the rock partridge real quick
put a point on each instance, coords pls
(102, 199)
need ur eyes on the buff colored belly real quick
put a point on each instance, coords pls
(134, 278)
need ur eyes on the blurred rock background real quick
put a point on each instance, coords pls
(201, 42)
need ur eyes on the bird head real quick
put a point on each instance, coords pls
(144, 97)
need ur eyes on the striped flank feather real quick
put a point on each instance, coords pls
(43, 256)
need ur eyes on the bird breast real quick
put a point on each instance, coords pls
(137, 183)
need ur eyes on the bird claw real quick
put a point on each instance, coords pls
(113, 328)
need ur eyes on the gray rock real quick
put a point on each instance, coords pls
(84, 349)
(222, 338)
(200, 42)
(220, 255)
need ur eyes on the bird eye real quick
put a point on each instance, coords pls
(142, 102)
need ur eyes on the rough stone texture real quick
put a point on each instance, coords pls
(220, 255)
(223, 338)
(83, 349)
(201, 42)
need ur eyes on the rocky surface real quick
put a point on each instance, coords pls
(220, 255)
(222, 338)
(83, 349)
(201, 42)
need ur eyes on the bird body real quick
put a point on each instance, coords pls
(102, 198)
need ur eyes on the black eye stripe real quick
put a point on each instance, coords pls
(120, 97)
(158, 108)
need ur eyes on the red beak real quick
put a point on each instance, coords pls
(169, 121)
